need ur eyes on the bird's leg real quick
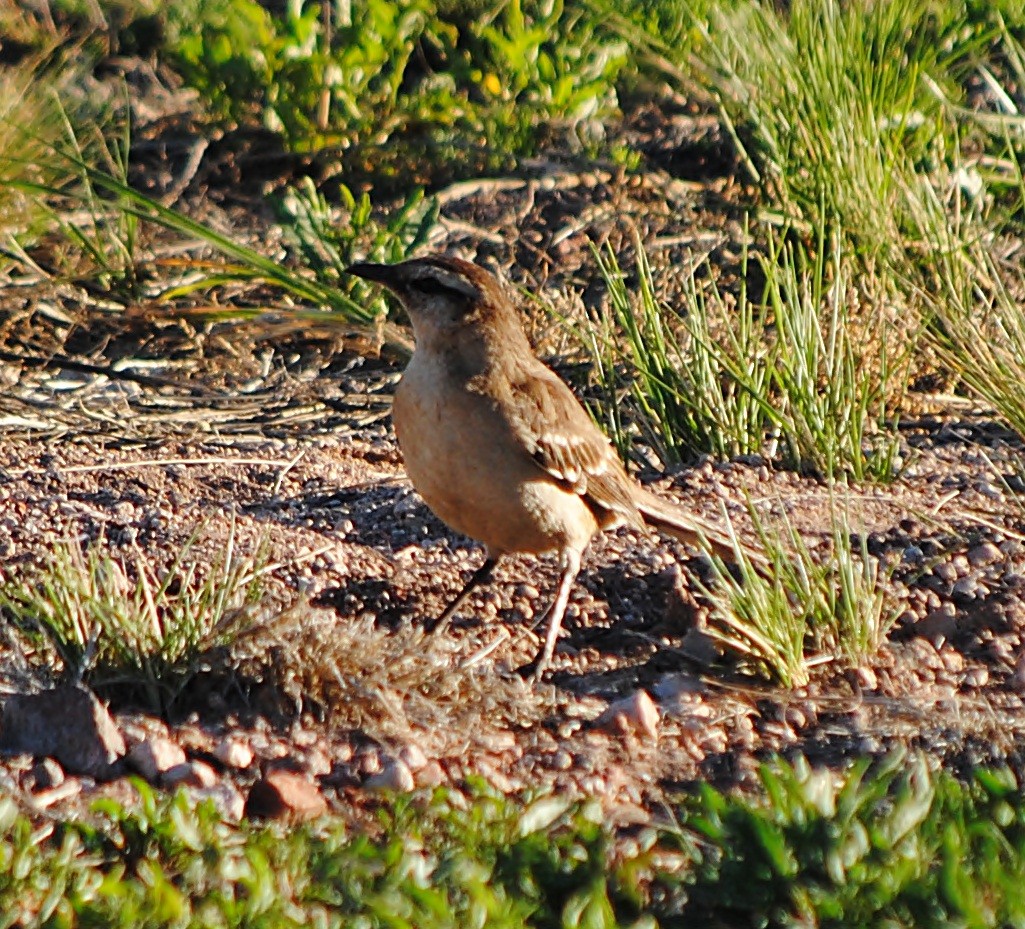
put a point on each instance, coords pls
(478, 577)
(570, 559)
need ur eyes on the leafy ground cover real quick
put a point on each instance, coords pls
(778, 253)
(910, 848)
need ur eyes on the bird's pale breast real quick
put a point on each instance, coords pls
(466, 463)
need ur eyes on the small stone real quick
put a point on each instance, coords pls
(1012, 548)
(394, 776)
(194, 739)
(984, 554)
(412, 757)
(190, 774)
(865, 678)
(316, 762)
(234, 753)
(71, 787)
(283, 794)
(636, 714)
(1001, 649)
(368, 763)
(953, 661)
(975, 677)
(155, 755)
(67, 723)
(305, 738)
(569, 728)
(945, 571)
(561, 760)
(501, 741)
(913, 554)
(965, 589)
(431, 775)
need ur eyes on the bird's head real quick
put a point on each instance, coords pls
(445, 297)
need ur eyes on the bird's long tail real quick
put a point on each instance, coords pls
(695, 531)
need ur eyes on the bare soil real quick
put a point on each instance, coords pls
(142, 426)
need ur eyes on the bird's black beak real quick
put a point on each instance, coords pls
(369, 271)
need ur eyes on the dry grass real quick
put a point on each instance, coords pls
(388, 683)
(30, 121)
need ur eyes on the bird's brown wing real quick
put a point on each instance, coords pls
(557, 432)
(559, 435)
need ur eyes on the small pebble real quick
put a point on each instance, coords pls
(431, 775)
(155, 756)
(913, 554)
(190, 774)
(965, 589)
(984, 554)
(394, 776)
(561, 760)
(412, 757)
(866, 678)
(234, 752)
(636, 713)
(1012, 548)
(953, 661)
(976, 677)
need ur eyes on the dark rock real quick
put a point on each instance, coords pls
(68, 723)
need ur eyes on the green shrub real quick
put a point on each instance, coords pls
(435, 89)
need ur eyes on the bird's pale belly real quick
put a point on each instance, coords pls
(474, 477)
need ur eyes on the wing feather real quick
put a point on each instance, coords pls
(559, 435)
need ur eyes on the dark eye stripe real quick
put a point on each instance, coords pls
(430, 285)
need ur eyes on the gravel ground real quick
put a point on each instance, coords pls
(356, 684)
(144, 426)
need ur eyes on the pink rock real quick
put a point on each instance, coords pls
(154, 756)
(283, 794)
(190, 774)
(234, 752)
(636, 714)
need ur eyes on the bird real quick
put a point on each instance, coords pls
(497, 444)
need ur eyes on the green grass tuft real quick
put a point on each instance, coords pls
(122, 624)
(807, 606)
(814, 373)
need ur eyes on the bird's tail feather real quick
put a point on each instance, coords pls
(697, 532)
